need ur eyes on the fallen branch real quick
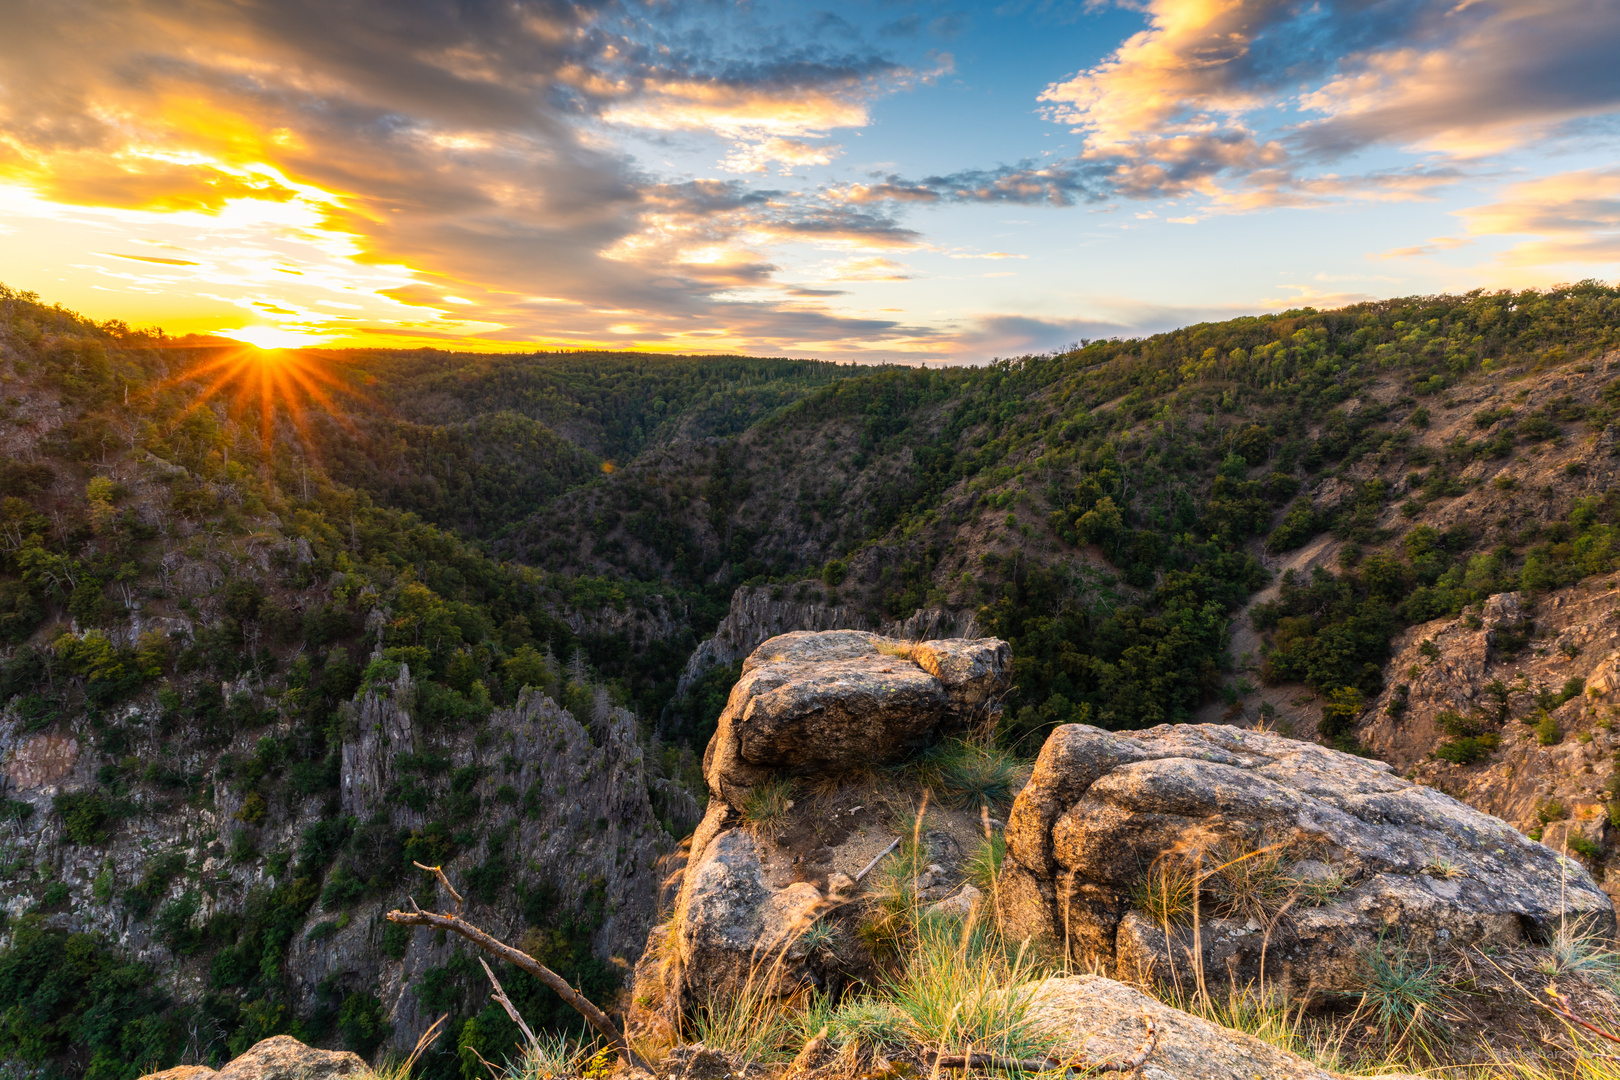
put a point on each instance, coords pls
(581, 1004)
(511, 1010)
(867, 869)
(1566, 1011)
(1039, 1065)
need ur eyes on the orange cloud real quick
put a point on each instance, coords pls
(1575, 217)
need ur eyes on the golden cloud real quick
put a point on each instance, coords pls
(1574, 215)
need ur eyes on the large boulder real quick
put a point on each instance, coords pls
(736, 928)
(836, 701)
(280, 1057)
(1105, 1021)
(1341, 854)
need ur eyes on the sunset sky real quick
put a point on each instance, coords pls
(876, 181)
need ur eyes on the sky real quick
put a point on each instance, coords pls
(887, 181)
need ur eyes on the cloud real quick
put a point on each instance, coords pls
(1435, 244)
(390, 156)
(1245, 100)
(1575, 217)
(787, 154)
(869, 268)
(152, 259)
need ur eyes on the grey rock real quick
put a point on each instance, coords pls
(282, 1057)
(1104, 1020)
(762, 612)
(834, 702)
(733, 926)
(1101, 808)
(182, 1072)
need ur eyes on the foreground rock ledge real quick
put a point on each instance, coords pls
(280, 1057)
(809, 704)
(1407, 862)
(1103, 1020)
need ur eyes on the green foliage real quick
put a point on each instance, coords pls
(142, 898)
(85, 815)
(1471, 737)
(1401, 992)
(65, 996)
(1548, 733)
(363, 1022)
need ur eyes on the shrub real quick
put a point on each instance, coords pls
(1580, 845)
(1468, 749)
(1548, 732)
(363, 1023)
(84, 816)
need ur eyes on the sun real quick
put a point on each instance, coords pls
(274, 337)
(267, 381)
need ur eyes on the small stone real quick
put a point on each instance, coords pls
(958, 904)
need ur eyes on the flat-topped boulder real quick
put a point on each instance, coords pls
(823, 703)
(280, 1057)
(1294, 853)
(819, 706)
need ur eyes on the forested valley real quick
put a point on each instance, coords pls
(223, 571)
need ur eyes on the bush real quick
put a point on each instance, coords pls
(1468, 749)
(1580, 845)
(85, 816)
(1548, 733)
(66, 998)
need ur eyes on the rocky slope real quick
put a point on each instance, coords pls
(1521, 695)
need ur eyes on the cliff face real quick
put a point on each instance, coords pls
(533, 803)
(1535, 680)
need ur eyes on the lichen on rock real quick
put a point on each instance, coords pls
(1102, 809)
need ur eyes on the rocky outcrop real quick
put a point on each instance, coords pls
(550, 802)
(1353, 853)
(829, 703)
(1104, 1020)
(818, 707)
(764, 611)
(1537, 676)
(280, 1057)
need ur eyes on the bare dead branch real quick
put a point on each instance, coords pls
(579, 1002)
(439, 870)
(1564, 1010)
(1077, 1064)
(867, 869)
(511, 1010)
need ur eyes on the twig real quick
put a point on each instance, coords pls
(867, 869)
(511, 1010)
(1567, 1011)
(439, 870)
(581, 1004)
(1037, 1065)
